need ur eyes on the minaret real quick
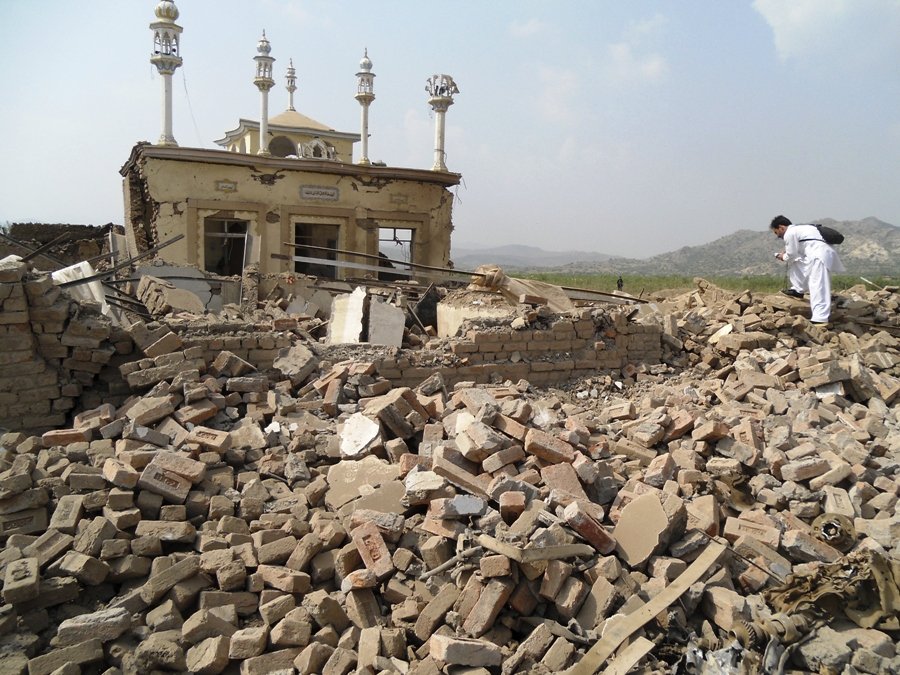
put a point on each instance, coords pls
(291, 78)
(365, 94)
(264, 82)
(166, 57)
(440, 90)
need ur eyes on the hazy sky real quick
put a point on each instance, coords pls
(629, 128)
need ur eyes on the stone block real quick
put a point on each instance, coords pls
(312, 659)
(464, 651)
(248, 642)
(209, 657)
(85, 652)
(172, 487)
(491, 600)
(550, 448)
(495, 566)
(22, 581)
(581, 520)
(272, 662)
(88, 570)
(49, 546)
(434, 612)
(180, 465)
(204, 624)
(724, 607)
(23, 522)
(803, 547)
(373, 550)
(159, 584)
(104, 625)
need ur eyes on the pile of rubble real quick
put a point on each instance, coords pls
(732, 510)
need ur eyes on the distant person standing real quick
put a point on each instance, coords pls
(810, 262)
(619, 283)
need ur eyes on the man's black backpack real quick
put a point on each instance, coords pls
(830, 235)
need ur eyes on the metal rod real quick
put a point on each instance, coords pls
(140, 313)
(121, 265)
(49, 244)
(123, 297)
(592, 291)
(350, 265)
(32, 253)
(108, 254)
(386, 259)
(449, 270)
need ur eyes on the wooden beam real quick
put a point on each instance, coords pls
(599, 654)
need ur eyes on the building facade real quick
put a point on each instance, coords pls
(283, 193)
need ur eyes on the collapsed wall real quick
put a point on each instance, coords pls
(61, 245)
(551, 354)
(57, 355)
(63, 356)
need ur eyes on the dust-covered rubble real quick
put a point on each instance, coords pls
(732, 509)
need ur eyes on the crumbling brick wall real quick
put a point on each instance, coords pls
(83, 242)
(56, 356)
(59, 357)
(568, 348)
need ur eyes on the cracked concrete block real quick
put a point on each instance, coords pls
(386, 324)
(357, 435)
(642, 529)
(464, 651)
(296, 362)
(346, 322)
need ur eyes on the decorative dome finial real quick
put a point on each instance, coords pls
(166, 11)
(263, 46)
(365, 64)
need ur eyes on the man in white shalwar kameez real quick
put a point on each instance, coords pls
(810, 263)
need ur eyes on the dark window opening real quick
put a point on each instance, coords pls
(318, 235)
(395, 247)
(224, 245)
(282, 146)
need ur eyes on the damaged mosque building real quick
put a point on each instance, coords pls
(284, 193)
(249, 444)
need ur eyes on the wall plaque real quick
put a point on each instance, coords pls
(324, 192)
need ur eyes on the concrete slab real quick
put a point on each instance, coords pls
(357, 434)
(386, 324)
(346, 323)
(640, 529)
(190, 279)
(347, 480)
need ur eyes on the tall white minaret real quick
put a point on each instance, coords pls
(264, 83)
(365, 94)
(166, 57)
(291, 86)
(440, 90)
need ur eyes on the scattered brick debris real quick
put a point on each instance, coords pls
(735, 497)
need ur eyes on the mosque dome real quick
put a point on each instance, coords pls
(166, 10)
(365, 63)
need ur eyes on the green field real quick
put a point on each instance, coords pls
(645, 284)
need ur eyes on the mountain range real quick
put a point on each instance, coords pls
(870, 246)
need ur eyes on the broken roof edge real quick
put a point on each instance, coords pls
(144, 150)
